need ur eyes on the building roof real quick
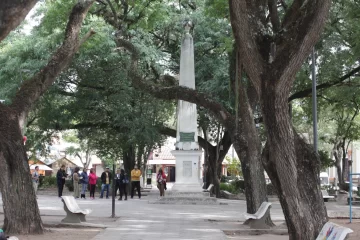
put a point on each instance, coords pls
(163, 153)
(49, 161)
(32, 161)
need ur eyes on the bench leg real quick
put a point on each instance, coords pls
(259, 223)
(70, 217)
(82, 217)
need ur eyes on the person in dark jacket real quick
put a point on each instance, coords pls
(124, 180)
(84, 180)
(105, 180)
(60, 180)
(117, 181)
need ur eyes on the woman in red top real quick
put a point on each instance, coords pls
(92, 182)
(161, 182)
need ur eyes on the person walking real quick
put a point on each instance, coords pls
(92, 182)
(35, 179)
(60, 180)
(135, 181)
(76, 179)
(84, 182)
(161, 182)
(124, 180)
(105, 180)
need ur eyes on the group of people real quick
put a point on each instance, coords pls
(83, 179)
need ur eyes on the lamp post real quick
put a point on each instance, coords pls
(113, 192)
(314, 101)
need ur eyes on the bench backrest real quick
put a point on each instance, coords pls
(210, 187)
(71, 204)
(262, 209)
(333, 231)
(324, 193)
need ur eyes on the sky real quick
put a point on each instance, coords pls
(30, 21)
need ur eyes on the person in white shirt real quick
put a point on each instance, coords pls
(35, 178)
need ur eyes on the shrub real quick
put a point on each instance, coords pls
(47, 181)
(70, 185)
(223, 179)
(270, 189)
(228, 187)
(239, 184)
(98, 184)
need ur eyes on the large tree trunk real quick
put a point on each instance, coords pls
(215, 157)
(12, 13)
(246, 140)
(273, 52)
(345, 166)
(212, 170)
(293, 168)
(21, 210)
(20, 206)
(129, 159)
(337, 152)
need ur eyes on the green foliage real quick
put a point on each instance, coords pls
(228, 187)
(98, 184)
(338, 106)
(234, 167)
(70, 185)
(235, 187)
(239, 184)
(48, 181)
(218, 8)
(325, 159)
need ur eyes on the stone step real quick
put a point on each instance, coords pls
(188, 194)
(186, 200)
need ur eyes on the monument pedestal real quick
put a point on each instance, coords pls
(187, 188)
(187, 171)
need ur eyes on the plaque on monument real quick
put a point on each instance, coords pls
(187, 168)
(187, 137)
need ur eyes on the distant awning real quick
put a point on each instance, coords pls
(41, 167)
(324, 174)
(161, 161)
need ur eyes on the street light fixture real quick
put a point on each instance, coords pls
(314, 101)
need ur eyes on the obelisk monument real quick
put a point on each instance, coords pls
(187, 151)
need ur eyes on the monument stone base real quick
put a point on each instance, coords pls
(187, 171)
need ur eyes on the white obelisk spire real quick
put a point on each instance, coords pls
(186, 137)
(187, 152)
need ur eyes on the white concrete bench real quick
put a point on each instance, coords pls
(209, 189)
(333, 231)
(257, 220)
(73, 212)
(326, 195)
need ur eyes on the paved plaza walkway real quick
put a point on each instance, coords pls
(137, 219)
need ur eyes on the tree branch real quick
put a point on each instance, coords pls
(292, 13)
(297, 39)
(174, 93)
(246, 33)
(185, 94)
(114, 13)
(172, 133)
(308, 91)
(274, 16)
(12, 13)
(225, 141)
(32, 89)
